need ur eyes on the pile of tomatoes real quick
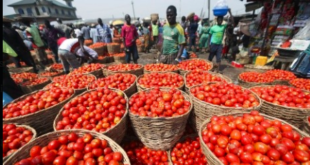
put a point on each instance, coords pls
(36, 102)
(87, 68)
(35, 81)
(301, 83)
(57, 67)
(194, 64)
(49, 74)
(73, 150)
(284, 95)
(199, 77)
(18, 80)
(97, 45)
(154, 79)
(188, 152)
(120, 81)
(252, 139)
(160, 67)
(124, 67)
(141, 155)
(158, 103)
(25, 76)
(97, 110)
(256, 77)
(75, 81)
(224, 94)
(13, 138)
(280, 74)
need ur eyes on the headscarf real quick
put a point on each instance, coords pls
(196, 18)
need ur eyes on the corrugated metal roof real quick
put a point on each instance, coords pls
(30, 2)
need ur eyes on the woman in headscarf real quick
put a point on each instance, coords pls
(204, 37)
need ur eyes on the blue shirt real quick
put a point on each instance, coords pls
(104, 33)
(192, 29)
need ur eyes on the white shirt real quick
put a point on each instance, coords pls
(68, 43)
(90, 51)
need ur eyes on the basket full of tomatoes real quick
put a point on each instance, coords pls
(159, 116)
(93, 69)
(34, 84)
(11, 142)
(221, 98)
(148, 68)
(108, 118)
(119, 58)
(198, 76)
(37, 109)
(160, 79)
(282, 77)
(193, 64)
(250, 79)
(287, 103)
(252, 138)
(71, 147)
(123, 81)
(301, 83)
(136, 69)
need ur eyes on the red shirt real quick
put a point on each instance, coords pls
(60, 40)
(129, 32)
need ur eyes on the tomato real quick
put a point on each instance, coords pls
(35, 151)
(60, 160)
(246, 157)
(48, 157)
(301, 156)
(118, 156)
(71, 161)
(54, 145)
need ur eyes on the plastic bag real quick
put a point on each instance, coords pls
(303, 34)
(6, 98)
(221, 4)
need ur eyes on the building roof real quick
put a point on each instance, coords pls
(12, 16)
(30, 2)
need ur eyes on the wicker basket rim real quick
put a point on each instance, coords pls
(144, 88)
(113, 89)
(224, 107)
(207, 61)
(302, 109)
(203, 125)
(43, 110)
(214, 74)
(34, 135)
(161, 118)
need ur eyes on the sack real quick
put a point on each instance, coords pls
(221, 4)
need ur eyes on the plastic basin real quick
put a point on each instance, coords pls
(220, 12)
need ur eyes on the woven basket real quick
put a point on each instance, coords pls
(117, 40)
(212, 159)
(34, 135)
(281, 82)
(250, 84)
(137, 72)
(105, 60)
(21, 70)
(183, 72)
(117, 132)
(41, 121)
(120, 59)
(99, 50)
(45, 139)
(306, 126)
(292, 115)
(160, 133)
(195, 122)
(141, 88)
(225, 78)
(31, 88)
(206, 110)
(113, 48)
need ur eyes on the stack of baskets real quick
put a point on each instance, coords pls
(113, 48)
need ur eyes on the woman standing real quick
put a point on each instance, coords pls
(204, 37)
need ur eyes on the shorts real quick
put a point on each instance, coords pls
(216, 50)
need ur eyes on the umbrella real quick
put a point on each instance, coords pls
(118, 22)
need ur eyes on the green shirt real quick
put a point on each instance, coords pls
(217, 33)
(35, 35)
(173, 36)
(155, 30)
(8, 50)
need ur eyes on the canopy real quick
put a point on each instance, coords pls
(118, 22)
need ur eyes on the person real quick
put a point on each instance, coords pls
(155, 26)
(217, 33)
(12, 38)
(204, 37)
(64, 28)
(51, 35)
(192, 29)
(93, 33)
(34, 36)
(130, 35)
(67, 52)
(104, 32)
(9, 86)
(86, 31)
(183, 22)
(19, 31)
(146, 35)
(173, 35)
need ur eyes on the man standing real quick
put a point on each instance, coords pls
(130, 35)
(104, 32)
(86, 31)
(217, 34)
(12, 38)
(192, 29)
(52, 35)
(155, 26)
(174, 39)
(93, 33)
